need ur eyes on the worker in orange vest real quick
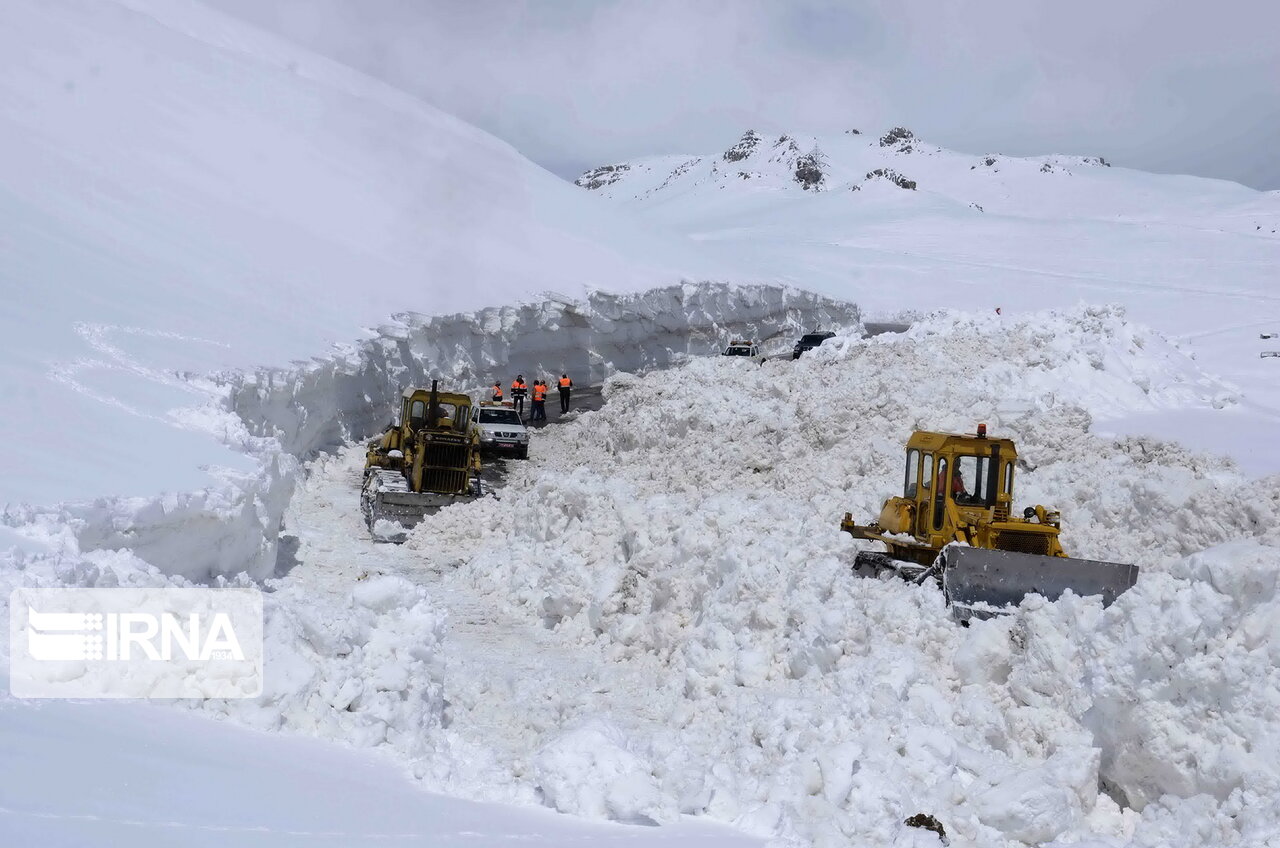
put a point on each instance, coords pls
(539, 400)
(518, 392)
(566, 385)
(958, 489)
(497, 392)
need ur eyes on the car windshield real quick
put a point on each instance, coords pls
(738, 351)
(499, 416)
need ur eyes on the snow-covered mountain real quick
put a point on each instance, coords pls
(897, 224)
(756, 167)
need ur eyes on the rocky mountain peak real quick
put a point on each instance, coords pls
(745, 147)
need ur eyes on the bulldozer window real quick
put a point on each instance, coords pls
(448, 415)
(417, 414)
(1008, 479)
(970, 482)
(913, 472)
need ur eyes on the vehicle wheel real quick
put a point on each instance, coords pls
(523, 453)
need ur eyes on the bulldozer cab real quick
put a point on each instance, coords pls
(966, 473)
(451, 411)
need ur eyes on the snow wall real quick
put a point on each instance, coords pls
(353, 394)
(282, 415)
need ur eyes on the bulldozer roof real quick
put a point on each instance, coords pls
(927, 440)
(444, 397)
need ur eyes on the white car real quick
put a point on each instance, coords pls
(501, 428)
(739, 347)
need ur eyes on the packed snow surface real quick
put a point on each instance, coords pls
(656, 618)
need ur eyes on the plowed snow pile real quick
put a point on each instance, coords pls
(685, 537)
(656, 616)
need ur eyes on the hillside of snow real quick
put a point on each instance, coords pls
(181, 193)
(900, 225)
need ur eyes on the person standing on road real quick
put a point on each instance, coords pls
(566, 386)
(518, 392)
(497, 393)
(539, 400)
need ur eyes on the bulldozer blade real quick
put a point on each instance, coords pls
(983, 581)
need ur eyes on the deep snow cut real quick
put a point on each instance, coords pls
(277, 417)
(657, 617)
(354, 393)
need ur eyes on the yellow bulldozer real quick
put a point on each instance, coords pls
(954, 523)
(428, 459)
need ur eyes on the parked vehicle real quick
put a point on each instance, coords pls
(809, 341)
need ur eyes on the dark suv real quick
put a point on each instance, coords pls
(808, 342)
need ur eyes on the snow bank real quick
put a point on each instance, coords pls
(356, 391)
(687, 533)
(277, 416)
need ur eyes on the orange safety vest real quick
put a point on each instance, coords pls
(540, 392)
(957, 485)
(497, 393)
(516, 384)
(565, 382)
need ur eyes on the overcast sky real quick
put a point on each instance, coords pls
(1184, 86)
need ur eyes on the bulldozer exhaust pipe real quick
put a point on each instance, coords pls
(433, 405)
